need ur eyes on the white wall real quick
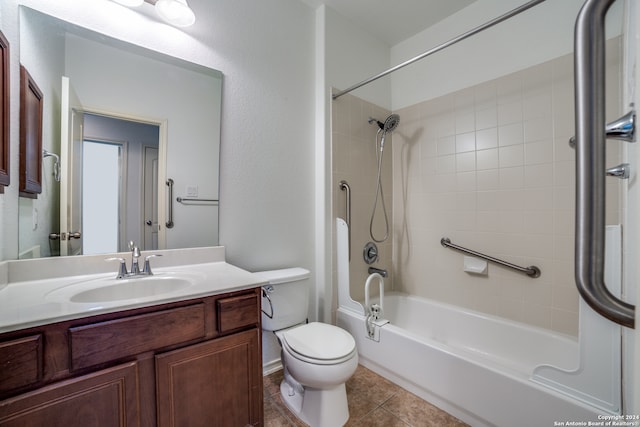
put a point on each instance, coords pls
(532, 37)
(353, 55)
(266, 212)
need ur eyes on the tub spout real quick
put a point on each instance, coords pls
(383, 273)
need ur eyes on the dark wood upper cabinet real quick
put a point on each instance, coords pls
(30, 136)
(4, 112)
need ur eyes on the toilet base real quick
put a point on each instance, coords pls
(317, 408)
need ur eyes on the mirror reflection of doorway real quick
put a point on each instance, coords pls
(120, 161)
(101, 192)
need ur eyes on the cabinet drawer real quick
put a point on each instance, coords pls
(20, 362)
(237, 312)
(106, 341)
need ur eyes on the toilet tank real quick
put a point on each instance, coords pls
(289, 297)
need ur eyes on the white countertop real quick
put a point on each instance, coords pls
(33, 293)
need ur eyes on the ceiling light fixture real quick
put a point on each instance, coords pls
(176, 12)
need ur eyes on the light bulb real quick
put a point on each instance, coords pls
(176, 12)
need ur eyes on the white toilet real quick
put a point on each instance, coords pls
(318, 358)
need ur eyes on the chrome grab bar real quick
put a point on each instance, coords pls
(195, 199)
(531, 271)
(169, 223)
(590, 164)
(344, 186)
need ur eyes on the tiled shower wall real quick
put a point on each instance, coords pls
(489, 167)
(354, 161)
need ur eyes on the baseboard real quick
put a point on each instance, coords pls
(271, 367)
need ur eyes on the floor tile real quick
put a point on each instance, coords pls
(359, 408)
(371, 385)
(271, 383)
(373, 402)
(273, 417)
(380, 418)
(417, 412)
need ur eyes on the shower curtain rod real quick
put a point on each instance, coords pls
(444, 45)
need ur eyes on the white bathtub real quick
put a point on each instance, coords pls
(474, 366)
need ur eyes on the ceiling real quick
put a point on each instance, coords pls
(393, 21)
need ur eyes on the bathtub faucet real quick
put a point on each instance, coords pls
(383, 273)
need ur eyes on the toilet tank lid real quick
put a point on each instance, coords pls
(284, 275)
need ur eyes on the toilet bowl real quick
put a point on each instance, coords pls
(318, 359)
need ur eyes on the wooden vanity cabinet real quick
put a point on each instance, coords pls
(210, 381)
(191, 363)
(108, 397)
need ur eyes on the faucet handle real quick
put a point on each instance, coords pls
(122, 270)
(147, 266)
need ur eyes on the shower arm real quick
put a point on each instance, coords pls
(590, 165)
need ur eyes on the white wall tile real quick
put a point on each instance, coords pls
(511, 156)
(466, 161)
(487, 117)
(538, 128)
(539, 152)
(511, 134)
(465, 142)
(487, 138)
(488, 179)
(446, 145)
(494, 172)
(487, 159)
(466, 120)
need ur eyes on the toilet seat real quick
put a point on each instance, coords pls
(319, 343)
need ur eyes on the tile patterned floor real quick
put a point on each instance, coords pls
(373, 402)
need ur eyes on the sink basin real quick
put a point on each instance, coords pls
(131, 289)
(109, 289)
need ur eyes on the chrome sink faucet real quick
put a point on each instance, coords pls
(135, 266)
(135, 254)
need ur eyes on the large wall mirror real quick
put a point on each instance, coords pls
(120, 122)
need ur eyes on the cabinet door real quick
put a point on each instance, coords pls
(215, 383)
(105, 398)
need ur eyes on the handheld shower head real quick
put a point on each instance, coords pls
(389, 125)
